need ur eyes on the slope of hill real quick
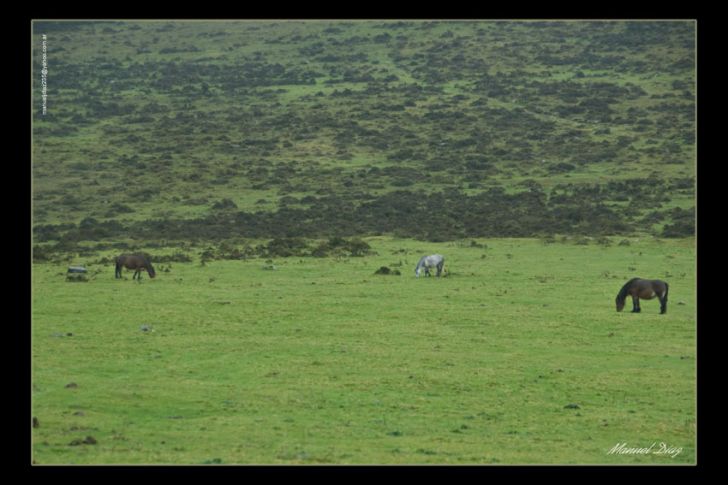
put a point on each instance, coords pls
(436, 130)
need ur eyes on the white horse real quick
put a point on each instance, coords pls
(427, 262)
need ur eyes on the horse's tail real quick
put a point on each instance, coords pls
(663, 299)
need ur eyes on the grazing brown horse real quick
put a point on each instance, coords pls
(136, 262)
(646, 289)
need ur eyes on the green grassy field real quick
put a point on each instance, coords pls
(516, 356)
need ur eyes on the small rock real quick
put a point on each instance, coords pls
(572, 406)
(71, 385)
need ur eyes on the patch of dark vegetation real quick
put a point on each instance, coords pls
(683, 224)
(178, 257)
(42, 254)
(576, 210)
(296, 246)
(224, 204)
(88, 440)
(385, 270)
(337, 246)
(285, 247)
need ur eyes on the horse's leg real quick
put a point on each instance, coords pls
(635, 304)
(663, 303)
(439, 269)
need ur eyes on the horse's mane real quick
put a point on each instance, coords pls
(421, 261)
(623, 292)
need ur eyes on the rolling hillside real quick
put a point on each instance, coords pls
(211, 131)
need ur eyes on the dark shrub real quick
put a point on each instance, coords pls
(337, 246)
(224, 204)
(286, 246)
(683, 224)
(41, 254)
(177, 257)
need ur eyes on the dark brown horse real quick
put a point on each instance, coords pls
(137, 262)
(646, 289)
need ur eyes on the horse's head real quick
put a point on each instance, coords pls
(150, 270)
(620, 304)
